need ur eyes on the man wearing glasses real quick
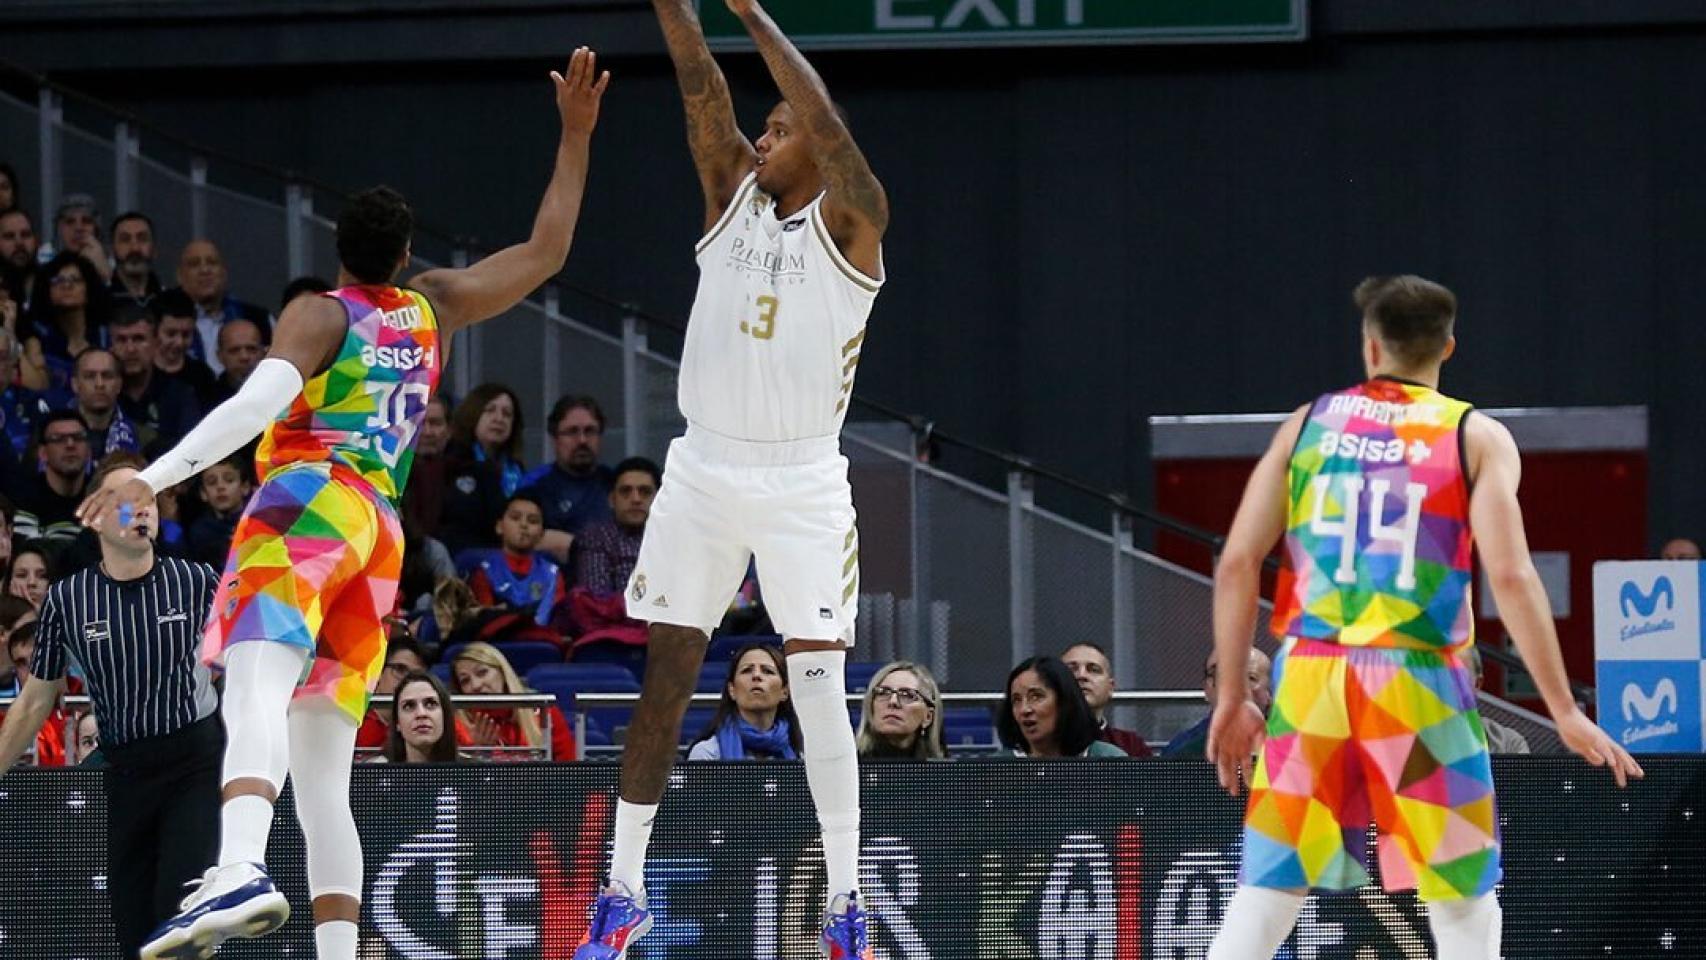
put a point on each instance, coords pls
(48, 501)
(573, 490)
(1194, 741)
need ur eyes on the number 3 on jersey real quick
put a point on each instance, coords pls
(765, 326)
(1345, 528)
(398, 406)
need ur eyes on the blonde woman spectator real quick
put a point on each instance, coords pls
(902, 715)
(480, 668)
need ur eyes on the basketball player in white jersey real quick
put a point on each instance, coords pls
(790, 263)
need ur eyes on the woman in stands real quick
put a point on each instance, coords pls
(902, 715)
(479, 668)
(30, 575)
(1046, 714)
(403, 656)
(755, 719)
(482, 467)
(421, 729)
(69, 309)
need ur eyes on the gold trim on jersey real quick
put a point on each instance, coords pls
(867, 284)
(746, 187)
(849, 346)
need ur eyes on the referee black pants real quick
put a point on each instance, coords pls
(162, 824)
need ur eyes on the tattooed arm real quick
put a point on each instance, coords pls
(857, 209)
(722, 156)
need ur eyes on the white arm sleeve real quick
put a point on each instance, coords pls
(266, 394)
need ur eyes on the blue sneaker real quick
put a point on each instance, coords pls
(619, 918)
(235, 901)
(844, 932)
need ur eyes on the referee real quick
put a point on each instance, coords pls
(134, 625)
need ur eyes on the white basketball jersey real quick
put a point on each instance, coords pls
(777, 325)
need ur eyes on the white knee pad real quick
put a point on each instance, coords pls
(260, 678)
(1467, 929)
(322, 747)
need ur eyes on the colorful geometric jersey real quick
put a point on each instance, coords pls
(1378, 527)
(364, 410)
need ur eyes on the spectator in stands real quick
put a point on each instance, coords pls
(225, 489)
(1681, 548)
(78, 224)
(302, 287)
(202, 275)
(31, 573)
(10, 195)
(95, 384)
(755, 719)
(575, 488)
(1094, 672)
(162, 409)
(609, 549)
(1193, 742)
(240, 352)
(423, 501)
(18, 242)
(902, 715)
(479, 668)
(421, 731)
(14, 613)
(482, 466)
(403, 657)
(174, 316)
(48, 501)
(134, 279)
(1046, 715)
(425, 563)
(49, 746)
(1500, 738)
(88, 743)
(516, 576)
(69, 310)
(20, 406)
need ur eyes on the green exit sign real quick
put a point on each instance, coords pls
(831, 24)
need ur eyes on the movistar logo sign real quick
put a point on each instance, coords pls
(1642, 710)
(1633, 602)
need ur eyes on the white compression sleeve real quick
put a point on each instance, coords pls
(267, 392)
(1256, 922)
(322, 745)
(1466, 929)
(818, 683)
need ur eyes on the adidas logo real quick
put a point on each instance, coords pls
(661, 601)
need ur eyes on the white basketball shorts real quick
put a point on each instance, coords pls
(725, 502)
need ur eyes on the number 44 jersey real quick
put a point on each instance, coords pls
(1377, 531)
(363, 411)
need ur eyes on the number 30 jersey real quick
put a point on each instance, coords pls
(363, 411)
(777, 325)
(1377, 531)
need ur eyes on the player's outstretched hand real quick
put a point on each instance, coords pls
(1234, 736)
(1588, 741)
(579, 90)
(119, 503)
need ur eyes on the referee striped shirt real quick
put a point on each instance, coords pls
(138, 643)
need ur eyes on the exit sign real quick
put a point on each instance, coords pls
(832, 24)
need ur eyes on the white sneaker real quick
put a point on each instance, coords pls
(233, 901)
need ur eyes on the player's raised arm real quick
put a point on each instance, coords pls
(1236, 730)
(721, 154)
(1496, 517)
(500, 281)
(857, 207)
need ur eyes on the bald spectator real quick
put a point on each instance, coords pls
(240, 352)
(1681, 548)
(78, 224)
(202, 275)
(134, 279)
(161, 408)
(95, 383)
(174, 328)
(1194, 741)
(1094, 672)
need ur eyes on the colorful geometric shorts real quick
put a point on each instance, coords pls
(314, 563)
(1360, 734)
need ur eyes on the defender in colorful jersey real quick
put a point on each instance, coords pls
(1376, 490)
(315, 559)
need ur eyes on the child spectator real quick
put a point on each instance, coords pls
(225, 490)
(517, 576)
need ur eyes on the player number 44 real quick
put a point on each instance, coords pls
(765, 326)
(1402, 533)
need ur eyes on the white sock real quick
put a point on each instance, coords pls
(817, 682)
(1256, 922)
(633, 835)
(1466, 929)
(335, 940)
(244, 823)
